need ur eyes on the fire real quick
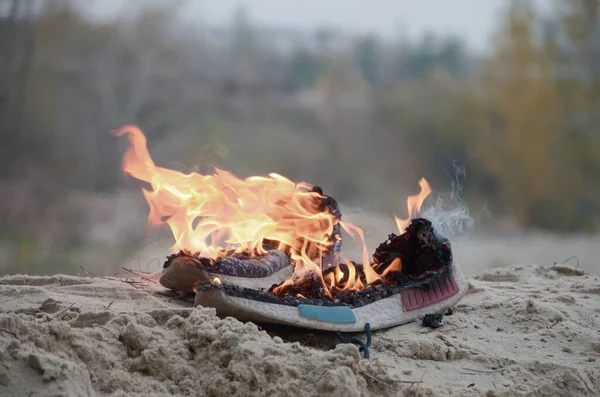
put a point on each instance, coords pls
(218, 214)
(413, 204)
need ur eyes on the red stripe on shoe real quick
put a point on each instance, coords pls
(440, 290)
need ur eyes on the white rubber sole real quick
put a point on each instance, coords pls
(402, 308)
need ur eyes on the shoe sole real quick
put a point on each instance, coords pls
(410, 304)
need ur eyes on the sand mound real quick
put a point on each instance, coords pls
(525, 330)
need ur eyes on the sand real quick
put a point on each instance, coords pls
(523, 330)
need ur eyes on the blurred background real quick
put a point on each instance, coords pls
(496, 103)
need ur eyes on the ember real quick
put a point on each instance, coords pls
(255, 227)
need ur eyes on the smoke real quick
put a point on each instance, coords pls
(448, 212)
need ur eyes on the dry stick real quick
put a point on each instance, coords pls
(9, 332)
(52, 318)
(480, 371)
(591, 354)
(555, 322)
(127, 281)
(565, 270)
(110, 304)
(137, 274)
(375, 378)
(92, 275)
(571, 258)
(86, 272)
(418, 384)
(132, 283)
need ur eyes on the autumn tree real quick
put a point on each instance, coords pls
(577, 54)
(520, 140)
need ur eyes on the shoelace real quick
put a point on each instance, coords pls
(362, 346)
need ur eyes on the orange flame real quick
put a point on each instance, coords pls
(413, 204)
(214, 214)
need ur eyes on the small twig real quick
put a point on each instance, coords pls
(478, 370)
(372, 361)
(511, 299)
(92, 275)
(569, 259)
(565, 270)
(86, 272)
(419, 383)
(132, 283)
(52, 318)
(138, 274)
(555, 322)
(110, 304)
(375, 378)
(591, 354)
(9, 332)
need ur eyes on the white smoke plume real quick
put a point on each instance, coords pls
(448, 211)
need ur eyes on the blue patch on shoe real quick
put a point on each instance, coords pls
(332, 314)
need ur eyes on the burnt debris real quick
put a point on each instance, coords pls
(420, 249)
(433, 320)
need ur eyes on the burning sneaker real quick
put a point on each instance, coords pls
(267, 249)
(414, 276)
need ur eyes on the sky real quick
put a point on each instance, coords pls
(473, 20)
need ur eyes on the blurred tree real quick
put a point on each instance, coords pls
(577, 54)
(304, 69)
(65, 82)
(17, 45)
(367, 57)
(340, 80)
(243, 47)
(436, 135)
(325, 38)
(519, 140)
(419, 60)
(581, 22)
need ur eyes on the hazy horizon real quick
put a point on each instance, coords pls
(472, 20)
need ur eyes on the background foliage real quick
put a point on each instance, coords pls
(361, 116)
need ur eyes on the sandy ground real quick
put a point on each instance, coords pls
(523, 330)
